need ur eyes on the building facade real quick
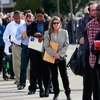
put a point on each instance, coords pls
(6, 5)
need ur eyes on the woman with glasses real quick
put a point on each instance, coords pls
(60, 36)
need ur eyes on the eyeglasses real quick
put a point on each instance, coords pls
(56, 23)
(29, 21)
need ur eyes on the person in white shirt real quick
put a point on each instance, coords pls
(13, 43)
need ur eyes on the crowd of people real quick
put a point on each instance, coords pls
(16, 30)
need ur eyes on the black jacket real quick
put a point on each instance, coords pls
(32, 28)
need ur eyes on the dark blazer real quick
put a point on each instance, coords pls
(32, 28)
(82, 32)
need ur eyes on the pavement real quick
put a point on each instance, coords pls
(9, 91)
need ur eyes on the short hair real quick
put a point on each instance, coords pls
(91, 3)
(17, 12)
(27, 11)
(40, 10)
(28, 15)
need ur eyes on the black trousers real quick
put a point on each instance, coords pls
(95, 85)
(87, 81)
(39, 70)
(95, 74)
(64, 76)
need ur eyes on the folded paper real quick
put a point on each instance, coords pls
(34, 44)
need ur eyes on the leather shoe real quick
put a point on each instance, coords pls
(20, 87)
(12, 77)
(42, 94)
(55, 97)
(31, 92)
(47, 93)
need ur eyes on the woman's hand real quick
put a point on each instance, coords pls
(57, 56)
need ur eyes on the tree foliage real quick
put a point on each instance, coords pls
(64, 5)
(50, 6)
(28, 4)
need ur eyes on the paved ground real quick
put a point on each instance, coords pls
(8, 90)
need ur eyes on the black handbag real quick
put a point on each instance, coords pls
(61, 60)
(75, 62)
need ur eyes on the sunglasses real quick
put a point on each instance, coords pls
(29, 21)
(56, 23)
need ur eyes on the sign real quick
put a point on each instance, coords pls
(5, 1)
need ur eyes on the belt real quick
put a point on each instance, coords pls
(16, 44)
(23, 45)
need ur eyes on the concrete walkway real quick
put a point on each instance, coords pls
(8, 90)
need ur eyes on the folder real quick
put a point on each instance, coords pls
(35, 45)
(48, 57)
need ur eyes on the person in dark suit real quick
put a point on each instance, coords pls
(39, 69)
(60, 36)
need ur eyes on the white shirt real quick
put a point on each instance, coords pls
(6, 50)
(11, 31)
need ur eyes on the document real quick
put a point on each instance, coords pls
(34, 44)
(48, 57)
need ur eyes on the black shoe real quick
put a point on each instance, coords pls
(12, 77)
(68, 97)
(47, 93)
(31, 92)
(42, 94)
(55, 97)
(20, 87)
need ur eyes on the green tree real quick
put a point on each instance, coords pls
(28, 4)
(51, 5)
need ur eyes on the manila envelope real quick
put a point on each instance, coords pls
(49, 58)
